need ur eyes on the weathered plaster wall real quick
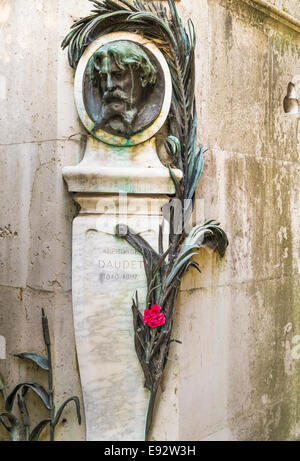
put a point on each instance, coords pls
(38, 135)
(236, 375)
(239, 320)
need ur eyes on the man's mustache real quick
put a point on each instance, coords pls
(127, 117)
(115, 94)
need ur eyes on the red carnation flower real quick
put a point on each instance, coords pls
(153, 317)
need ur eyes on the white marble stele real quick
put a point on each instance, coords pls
(107, 272)
(124, 184)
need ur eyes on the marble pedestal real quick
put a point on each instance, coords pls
(106, 273)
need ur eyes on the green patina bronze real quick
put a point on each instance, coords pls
(123, 90)
(126, 55)
(20, 428)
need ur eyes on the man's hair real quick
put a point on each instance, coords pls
(127, 54)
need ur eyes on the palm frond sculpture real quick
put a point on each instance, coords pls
(163, 282)
(164, 270)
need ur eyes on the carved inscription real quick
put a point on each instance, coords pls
(116, 264)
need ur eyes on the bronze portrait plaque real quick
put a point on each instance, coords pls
(123, 88)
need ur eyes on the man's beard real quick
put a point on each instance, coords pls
(114, 118)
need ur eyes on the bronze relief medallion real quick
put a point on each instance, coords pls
(123, 88)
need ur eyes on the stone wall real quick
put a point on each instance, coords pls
(291, 7)
(235, 375)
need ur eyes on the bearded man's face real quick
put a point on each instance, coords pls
(121, 92)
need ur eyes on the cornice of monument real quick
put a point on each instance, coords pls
(275, 13)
